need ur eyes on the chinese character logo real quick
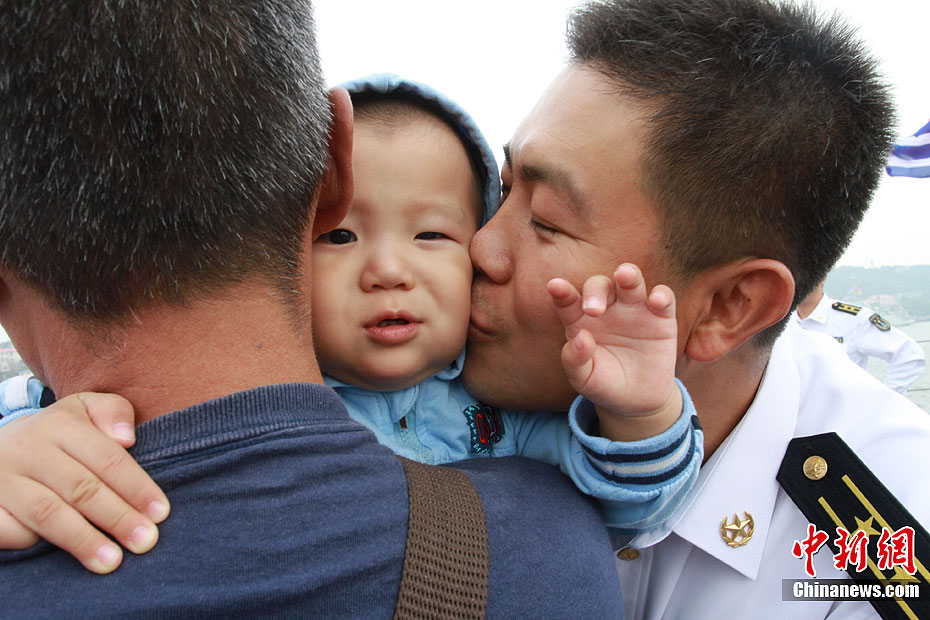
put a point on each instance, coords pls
(893, 549)
(897, 549)
(808, 547)
(852, 550)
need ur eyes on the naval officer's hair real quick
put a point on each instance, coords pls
(156, 151)
(769, 131)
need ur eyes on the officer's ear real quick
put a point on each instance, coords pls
(728, 304)
(336, 188)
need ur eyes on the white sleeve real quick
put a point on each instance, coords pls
(900, 351)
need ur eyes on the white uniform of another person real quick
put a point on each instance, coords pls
(807, 389)
(863, 334)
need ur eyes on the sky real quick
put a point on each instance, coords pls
(495, 57)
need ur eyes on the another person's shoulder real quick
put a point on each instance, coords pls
(546, 537)
(888, 432)
(852, 397)
(847, 308)
(841, 310)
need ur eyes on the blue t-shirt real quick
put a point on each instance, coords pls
(283, 507)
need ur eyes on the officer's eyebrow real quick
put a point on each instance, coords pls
(554, 177)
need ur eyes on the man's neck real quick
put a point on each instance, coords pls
(169, 358)
(809, 304)
(723, 391)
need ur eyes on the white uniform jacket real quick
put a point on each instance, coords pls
(863, 333)
(807, 389)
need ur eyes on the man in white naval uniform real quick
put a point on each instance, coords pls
(863, 334)
(807, 389)
(729, 148)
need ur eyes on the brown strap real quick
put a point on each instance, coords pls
(446, 560)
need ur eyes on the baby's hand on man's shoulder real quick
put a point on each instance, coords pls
(66, 468)
(621, 350)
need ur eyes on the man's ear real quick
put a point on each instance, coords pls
(336, 187)
(733, 302)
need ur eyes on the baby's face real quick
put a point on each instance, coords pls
(392, 284)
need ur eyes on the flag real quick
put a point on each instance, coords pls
(910, 157)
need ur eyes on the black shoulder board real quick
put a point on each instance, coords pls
(851, 309)
(879, 322)
(834, 488)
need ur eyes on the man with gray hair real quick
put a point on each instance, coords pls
(162, 165)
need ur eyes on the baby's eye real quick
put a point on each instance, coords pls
(431, 236)
(340, 236)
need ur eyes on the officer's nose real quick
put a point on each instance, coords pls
(490, 249)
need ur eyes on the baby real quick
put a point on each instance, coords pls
(391, 294)
(391, 298)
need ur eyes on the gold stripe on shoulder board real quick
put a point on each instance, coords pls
(833, 488)
(848, 308)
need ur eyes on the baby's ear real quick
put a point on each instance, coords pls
(336, 187)
(734, 302)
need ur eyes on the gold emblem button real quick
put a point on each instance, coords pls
(739, 532)
(628, 554)
(815, 467)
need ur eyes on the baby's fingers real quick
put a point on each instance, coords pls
(13, 535)
(566, 299)
(578, 359)
(110, 413)
(630, 285)
(44, 512)
(98, 454)
(103, 482)
(662, 301)
(58, 497)
(598, 294)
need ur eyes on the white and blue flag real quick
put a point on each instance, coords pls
(910, 156)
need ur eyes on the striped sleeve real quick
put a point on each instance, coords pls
(663, 467)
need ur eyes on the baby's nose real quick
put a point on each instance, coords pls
(386, 269)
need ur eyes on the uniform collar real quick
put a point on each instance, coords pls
(819, 314)
(740, 476)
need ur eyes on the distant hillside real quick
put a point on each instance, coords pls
(908, 286)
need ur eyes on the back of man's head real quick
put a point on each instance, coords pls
(770, 126)
(156, 151)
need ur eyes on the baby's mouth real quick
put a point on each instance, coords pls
(392, 330)
(390, 322)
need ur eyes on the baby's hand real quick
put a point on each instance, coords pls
(58, 471)
(621, 351)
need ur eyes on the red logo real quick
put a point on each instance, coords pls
(892, 548)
